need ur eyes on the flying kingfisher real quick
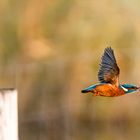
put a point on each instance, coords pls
(108, 76)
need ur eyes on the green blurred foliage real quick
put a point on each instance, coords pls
(50, 50)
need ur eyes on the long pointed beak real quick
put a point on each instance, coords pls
(138, 89)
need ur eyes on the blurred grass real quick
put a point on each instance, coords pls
(50, 50)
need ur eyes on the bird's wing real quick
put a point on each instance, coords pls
(109, 70)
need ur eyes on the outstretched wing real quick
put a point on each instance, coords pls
(109, 70)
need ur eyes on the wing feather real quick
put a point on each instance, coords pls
(109, 70)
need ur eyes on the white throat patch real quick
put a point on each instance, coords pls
(125, 89)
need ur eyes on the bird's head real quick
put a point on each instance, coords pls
(128, 88)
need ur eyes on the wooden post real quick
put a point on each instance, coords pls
(8, 114)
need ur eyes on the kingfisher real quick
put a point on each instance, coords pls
(108, 77)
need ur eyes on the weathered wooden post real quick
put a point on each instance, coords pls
(8, 114)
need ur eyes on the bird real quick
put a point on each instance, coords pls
(108, 76)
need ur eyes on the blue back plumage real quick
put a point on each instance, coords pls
(90, 88)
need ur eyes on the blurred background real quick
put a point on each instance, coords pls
(51, 49)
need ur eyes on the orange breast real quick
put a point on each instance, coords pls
(108, 90)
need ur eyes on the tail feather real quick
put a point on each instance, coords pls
(85, 91)
(88, 89)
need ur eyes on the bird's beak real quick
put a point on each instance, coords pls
(138, 89)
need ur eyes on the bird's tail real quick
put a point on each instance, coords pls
(89, 89)
(85, 91)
